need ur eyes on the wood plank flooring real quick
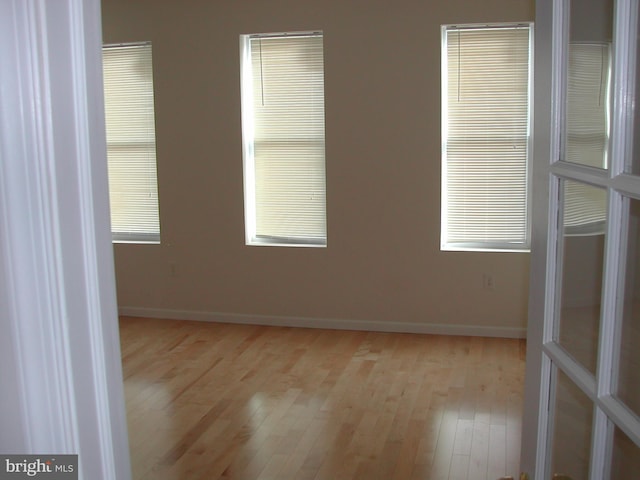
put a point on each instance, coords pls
(220, 401)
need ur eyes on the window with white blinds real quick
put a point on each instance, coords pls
(585, 209)
(587, 138)
(131, 143)
(283, 139)
(486, 80)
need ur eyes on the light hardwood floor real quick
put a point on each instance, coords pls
(219, 401)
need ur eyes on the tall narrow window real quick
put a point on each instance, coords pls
(283, 139)
(131, 143)
(588, 104)
(486, 76)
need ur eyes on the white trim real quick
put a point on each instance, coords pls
(331, 324)
(502, 246)
(248, 124)
(547, 408)
(582, 173)
(29, 242)
(601, 445)
(545, 150)
(56, 257)
(248, 163)
(628, 185)
(577, 373)
(623, 98)
(625, 419)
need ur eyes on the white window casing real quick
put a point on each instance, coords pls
(486, 113)
(283, 139)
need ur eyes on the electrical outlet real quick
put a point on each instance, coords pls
(487, 281)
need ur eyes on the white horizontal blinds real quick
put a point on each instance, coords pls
(131, 148)
(587, 139)
(588, 104)
(289, 152)
(486, 137)
(585, 209)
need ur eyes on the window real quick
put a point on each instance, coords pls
(283, 139)
(131, 144)
(486, 84)
(587, 138)
(588, 102)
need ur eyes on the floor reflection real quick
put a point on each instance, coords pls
(239, 402)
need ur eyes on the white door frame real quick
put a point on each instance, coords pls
(60, 366)
(537, 367)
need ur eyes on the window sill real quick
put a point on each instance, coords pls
(137, 242)
(460, 248)
(281, 243)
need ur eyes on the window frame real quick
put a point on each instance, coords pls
(248, 150)
(484, 246)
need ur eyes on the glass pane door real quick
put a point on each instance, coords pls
(583, 241)
(590, 427)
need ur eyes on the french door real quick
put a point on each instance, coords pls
(582, 395)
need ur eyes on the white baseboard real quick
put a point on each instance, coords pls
(331, 324)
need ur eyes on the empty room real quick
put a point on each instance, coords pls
(378, 266)
(335, 239)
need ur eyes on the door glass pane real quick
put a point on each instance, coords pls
(625, 461)
(633, 162)
(628, 388)
(582, 268)
(588, 84)
(573, 420)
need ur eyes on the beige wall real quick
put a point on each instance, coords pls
(382, 87)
